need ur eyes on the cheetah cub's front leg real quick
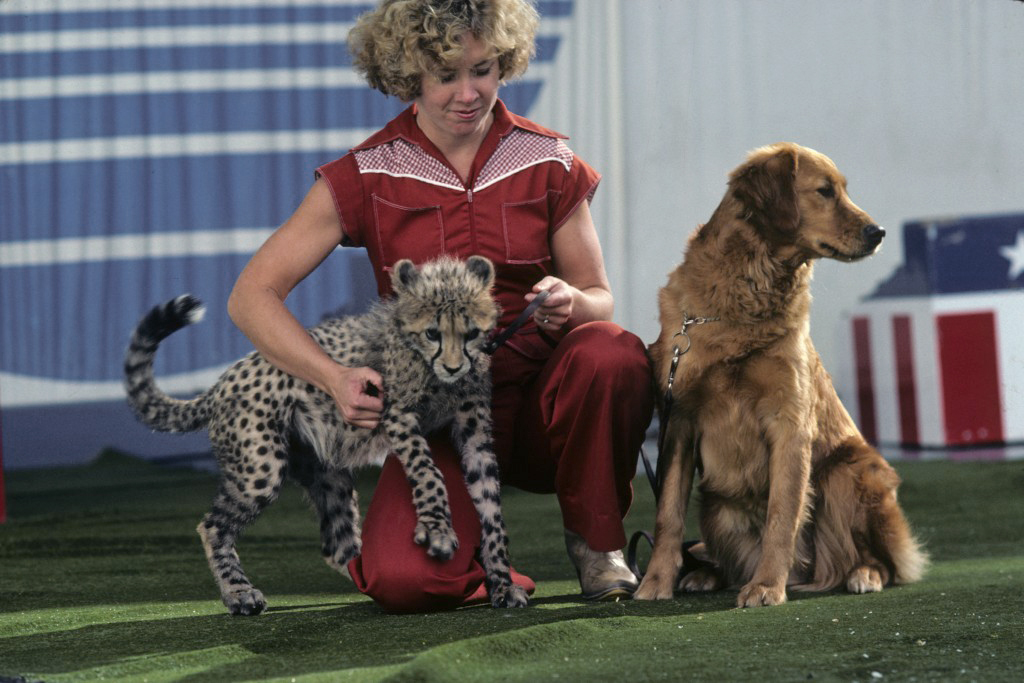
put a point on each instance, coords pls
(480, 467)
(429, 496)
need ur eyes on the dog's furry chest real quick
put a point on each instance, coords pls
(726, 419)
(741, 409)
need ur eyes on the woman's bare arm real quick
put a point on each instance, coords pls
(257, 307)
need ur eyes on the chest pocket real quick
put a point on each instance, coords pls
(526, 226)
(415, 233)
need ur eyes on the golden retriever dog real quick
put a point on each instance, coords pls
(790, 492)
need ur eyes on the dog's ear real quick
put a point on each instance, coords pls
(766, 187)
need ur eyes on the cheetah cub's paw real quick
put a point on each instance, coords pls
(511, 595)
(244, 602)
(438, 536)
(341, 568)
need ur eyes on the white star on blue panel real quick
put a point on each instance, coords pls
(1015, 253)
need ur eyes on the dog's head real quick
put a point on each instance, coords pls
(796, 198)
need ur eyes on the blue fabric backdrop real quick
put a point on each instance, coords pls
(147, 147)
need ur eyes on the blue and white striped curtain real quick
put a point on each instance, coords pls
(147, 148)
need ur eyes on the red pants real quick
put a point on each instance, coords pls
(568, 421)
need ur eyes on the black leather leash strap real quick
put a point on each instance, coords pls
(495, 342)
(689, 561)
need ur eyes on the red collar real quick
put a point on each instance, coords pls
(404, 126)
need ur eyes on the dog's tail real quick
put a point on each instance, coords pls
(909, 558)
(151, 405)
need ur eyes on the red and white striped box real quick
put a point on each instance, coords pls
(937, 354)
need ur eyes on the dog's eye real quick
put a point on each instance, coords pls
(828, 192)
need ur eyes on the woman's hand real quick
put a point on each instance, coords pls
(581, 293)
(358, 394)
(557, 310)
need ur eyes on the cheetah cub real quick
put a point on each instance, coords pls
(427, 342)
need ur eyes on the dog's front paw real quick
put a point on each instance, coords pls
(864, 580)
(245, 602)
(509, 595)
(438, 536)
(701, 580)
(654, 586)
(756, 594)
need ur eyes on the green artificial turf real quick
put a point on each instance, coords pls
(102, 577)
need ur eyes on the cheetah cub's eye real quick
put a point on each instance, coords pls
(472, 334)
(432, 334)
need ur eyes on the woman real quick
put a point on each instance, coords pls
(457, 173)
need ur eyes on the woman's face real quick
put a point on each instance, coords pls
(456, 103)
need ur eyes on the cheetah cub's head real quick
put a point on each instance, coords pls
(446, 311)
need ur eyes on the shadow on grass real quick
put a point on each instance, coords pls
(297, 639)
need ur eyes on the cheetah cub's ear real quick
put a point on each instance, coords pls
(404, 275)
(482, 268)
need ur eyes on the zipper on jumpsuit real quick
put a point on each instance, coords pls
(472, 220)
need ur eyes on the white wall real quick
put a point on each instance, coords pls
(919, 102)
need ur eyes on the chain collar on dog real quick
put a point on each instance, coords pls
(680, 351)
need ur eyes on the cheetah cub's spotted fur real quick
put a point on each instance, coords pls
(426, 342)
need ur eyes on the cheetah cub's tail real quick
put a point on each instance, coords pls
(151, 405)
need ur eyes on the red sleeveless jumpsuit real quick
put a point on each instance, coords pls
(569, 418)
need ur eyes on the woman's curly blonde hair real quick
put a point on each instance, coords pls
(395, 45)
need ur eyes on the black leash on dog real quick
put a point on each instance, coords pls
(678, 351)
(634, 540)
(495, 342)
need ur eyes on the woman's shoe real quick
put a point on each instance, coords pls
(603, 576)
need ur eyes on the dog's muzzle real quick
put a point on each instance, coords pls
(872, 235)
